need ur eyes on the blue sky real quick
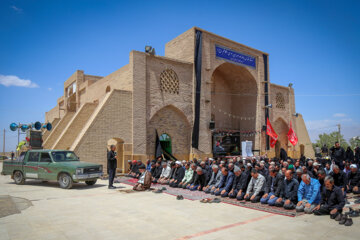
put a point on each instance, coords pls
(312, 44)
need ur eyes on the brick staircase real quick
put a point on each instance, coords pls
(46, 133)
(74, 127)
(57, 130)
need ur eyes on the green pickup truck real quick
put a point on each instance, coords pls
(52, 165)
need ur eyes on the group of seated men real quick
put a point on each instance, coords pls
(318, 186)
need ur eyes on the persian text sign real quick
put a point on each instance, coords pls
(235, 57)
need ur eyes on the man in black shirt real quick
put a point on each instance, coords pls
(340, 179)
(111, 164)
(338, 155)
(288, 192)
(332, 199)
(353, 183)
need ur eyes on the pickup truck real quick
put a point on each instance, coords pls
(52, 165)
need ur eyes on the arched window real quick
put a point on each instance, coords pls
(169, 81)
(165, 141)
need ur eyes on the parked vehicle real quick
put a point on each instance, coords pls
(52, 165)
(4, 157)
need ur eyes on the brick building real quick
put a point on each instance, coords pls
(203, 78)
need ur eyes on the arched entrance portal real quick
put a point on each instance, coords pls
(174, 132)
(119, 143)
(234, 101)
(165, 141)
(281, 128)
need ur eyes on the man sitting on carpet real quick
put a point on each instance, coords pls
(156, 172)
(188, 184)
(187, 177)
(165, 173)
(308, 194)
(332, 200)
(354, 180)
(144, 180)
(241, 187)
(256, 187)
(225, 183)
(288, 192)
(134, 169)
(178, 175)
(339, 177)
(272, 187)
(214, 180)
(237, 178)
(199, 181)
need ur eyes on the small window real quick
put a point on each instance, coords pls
(45, 157)
(33, 157)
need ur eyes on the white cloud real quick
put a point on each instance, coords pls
(349, 127)
(50, 89)
(11, 80)
(339, 115)
(16, 9)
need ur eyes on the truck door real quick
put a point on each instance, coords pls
(45, 167)
(31, 165)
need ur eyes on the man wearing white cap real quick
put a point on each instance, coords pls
(354, 179)
(178, 175)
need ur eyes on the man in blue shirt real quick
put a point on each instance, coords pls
(308, 194)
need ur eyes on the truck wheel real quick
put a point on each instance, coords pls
(65, 181)
(19, 178)
(90, 183)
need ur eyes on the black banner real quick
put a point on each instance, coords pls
(266, 91)
(198, 61)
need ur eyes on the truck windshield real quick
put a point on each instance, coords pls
(64, 156)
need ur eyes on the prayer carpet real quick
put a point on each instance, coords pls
(197, 195)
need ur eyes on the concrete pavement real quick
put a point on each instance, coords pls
(99, 213)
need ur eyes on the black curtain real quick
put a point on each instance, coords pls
(158, 148)
(266, 91)
(198, 61)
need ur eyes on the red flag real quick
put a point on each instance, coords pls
(272, 142)
(270, 131)
(292, 136)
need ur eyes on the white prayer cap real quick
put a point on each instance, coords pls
(353, 166)
(249, 164)
(178, 162)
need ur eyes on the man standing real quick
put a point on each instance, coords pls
(308, 194)
(111, 165)
(12, 155)
(338, 155)
(332, 199)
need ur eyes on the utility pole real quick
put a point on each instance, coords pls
(17, 153)
(4, 143)
(339, 126)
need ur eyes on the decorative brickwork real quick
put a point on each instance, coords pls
(169, 81)
(280, 101)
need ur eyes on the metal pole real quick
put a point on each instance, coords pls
(4, 143)
(17, 153)
(339, 126)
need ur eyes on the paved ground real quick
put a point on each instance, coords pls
(98, 213)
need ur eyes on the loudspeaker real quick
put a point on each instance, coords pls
(212, 125)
